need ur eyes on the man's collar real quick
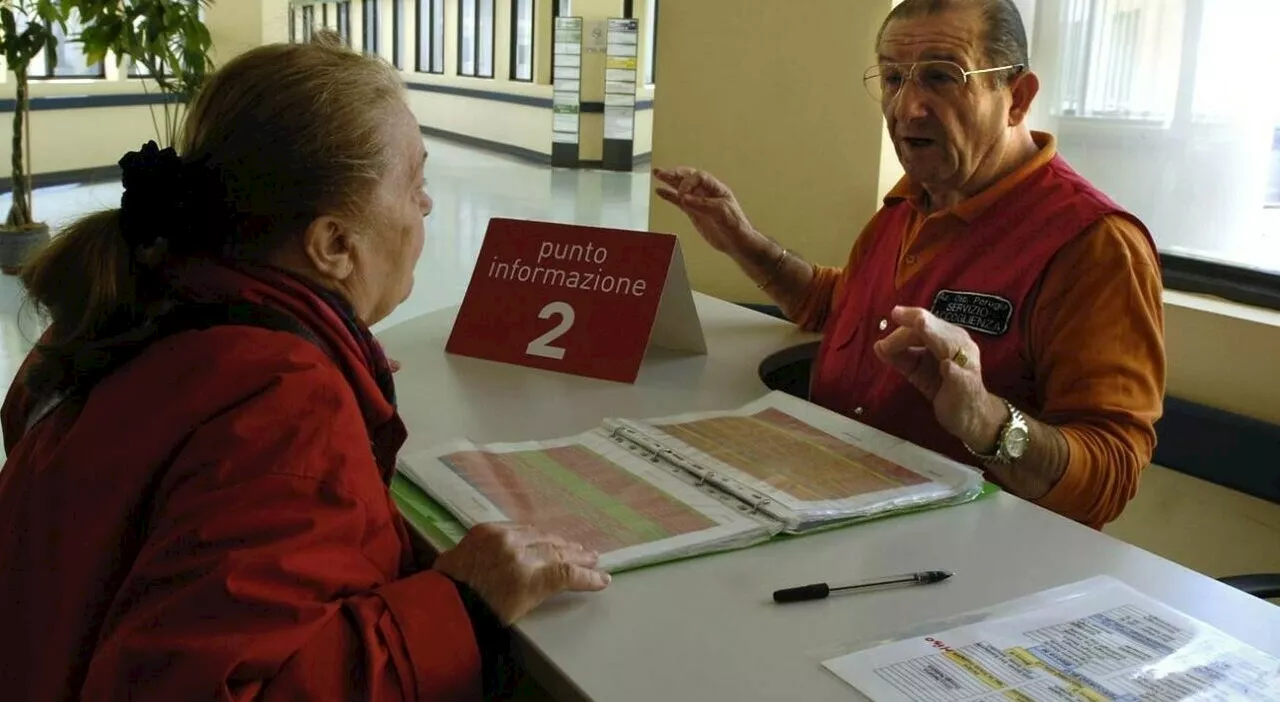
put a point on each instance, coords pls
(970, 209)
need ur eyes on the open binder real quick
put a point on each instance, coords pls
(644, 492)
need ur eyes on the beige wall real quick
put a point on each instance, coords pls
(60, 142)
(67, 140)
(800, 147)
(1223, 355)
(240, 25)
(521, 126)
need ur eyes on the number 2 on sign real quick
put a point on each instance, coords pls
(541, 346)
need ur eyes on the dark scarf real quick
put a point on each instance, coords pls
(377, 363)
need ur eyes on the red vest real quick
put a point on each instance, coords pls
(984, 281)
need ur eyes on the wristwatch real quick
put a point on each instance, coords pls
(1012, 441)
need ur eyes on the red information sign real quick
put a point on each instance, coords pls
(579, 300)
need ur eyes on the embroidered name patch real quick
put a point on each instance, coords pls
(988, 314)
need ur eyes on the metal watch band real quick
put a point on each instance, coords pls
(1000, 456)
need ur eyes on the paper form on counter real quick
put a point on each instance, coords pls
(1109, 642)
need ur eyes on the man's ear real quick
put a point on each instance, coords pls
(1024, 86)
(328, 243)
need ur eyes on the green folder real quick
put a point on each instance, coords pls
(443, 531)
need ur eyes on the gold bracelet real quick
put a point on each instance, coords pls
(777, 268)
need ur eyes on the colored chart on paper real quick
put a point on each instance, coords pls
(1132, 652)
(793, 457)
(576, 493)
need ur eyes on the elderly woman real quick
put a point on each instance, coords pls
(195, 504)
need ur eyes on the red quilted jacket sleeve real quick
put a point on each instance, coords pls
(269, 572)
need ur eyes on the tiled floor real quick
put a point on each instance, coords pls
(1211, 529)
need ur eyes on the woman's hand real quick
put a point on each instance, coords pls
(515, 568)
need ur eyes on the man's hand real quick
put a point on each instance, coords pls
(716, 214)
(944, 363)
(711, 207)
(514, 568)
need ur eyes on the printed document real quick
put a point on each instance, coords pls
(1109, 642)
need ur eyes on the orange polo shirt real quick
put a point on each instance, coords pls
(1095, 337)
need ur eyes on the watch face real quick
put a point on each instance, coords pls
(1015, 442)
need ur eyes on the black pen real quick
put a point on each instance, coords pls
(818, 591)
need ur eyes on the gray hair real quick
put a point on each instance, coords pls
(1004, 36)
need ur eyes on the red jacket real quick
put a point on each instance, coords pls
(984, 283)
(211, 523)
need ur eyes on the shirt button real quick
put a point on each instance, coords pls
(884, 324)
(910, 260)
(857, 411)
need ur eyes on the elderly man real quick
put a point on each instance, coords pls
(997, 308)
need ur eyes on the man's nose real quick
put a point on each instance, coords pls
(910, 102)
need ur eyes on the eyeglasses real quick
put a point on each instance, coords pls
(942, 78)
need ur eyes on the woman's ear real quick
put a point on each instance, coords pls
(329, 245)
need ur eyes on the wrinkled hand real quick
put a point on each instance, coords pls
(924, 349)
(710, 206)
(515, 568)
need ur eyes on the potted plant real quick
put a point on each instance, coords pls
(166, 37)
(21, 234)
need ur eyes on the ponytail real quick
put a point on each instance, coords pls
(88, 284)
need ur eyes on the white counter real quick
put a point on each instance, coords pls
(706, 629)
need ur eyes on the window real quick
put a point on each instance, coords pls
(485, 41)
(324, 15)
(68, 60)
(467, 37)
(475, 38)
(1159, 104)
(371, 26)
(1273, 180)
(522, 40)
(431, 36)
(308, 22)
(344, 22)
(1121, 59)
(397, 26)
(137, 70)
(651, 43)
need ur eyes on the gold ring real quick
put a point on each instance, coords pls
(960, 359)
